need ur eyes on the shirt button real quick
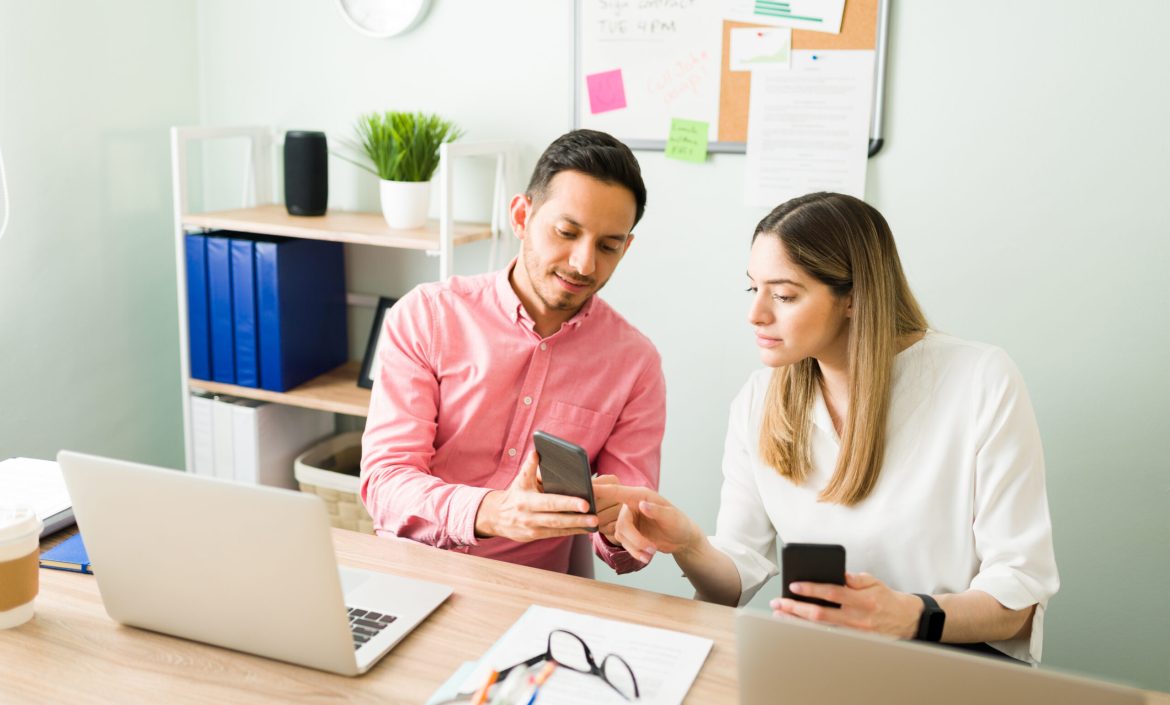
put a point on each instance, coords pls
(511, 452)
(544, 346)
(527, 401)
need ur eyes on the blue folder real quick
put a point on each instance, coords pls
(198, 323)
(244, 311)
(219, 289)
(300, 305)
(70, 554)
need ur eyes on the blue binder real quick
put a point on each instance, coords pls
(244, 311)
(198, 323)
(300, 303)
(219, 289)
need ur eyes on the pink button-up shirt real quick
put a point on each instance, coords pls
(464, 382)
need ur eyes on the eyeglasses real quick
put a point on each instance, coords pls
(570, 651)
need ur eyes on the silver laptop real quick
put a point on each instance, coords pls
(244, 567)
(790, 662)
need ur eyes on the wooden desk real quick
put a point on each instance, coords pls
(72, 652)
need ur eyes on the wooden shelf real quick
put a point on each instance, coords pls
(336, 226)
(334, 391)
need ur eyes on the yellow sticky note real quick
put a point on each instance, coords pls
(688, 140)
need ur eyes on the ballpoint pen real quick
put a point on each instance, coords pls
(511, 686)
(539, 681)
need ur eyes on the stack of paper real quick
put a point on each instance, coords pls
(37, 484)
(664, 662)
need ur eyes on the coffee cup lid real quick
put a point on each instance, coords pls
(17, 520)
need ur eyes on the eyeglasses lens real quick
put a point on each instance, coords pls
(619, 676)
(568, 651)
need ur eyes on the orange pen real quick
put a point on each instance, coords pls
(481, 694)
(545, 673)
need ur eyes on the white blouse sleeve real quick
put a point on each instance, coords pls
(1011, 523)
(743, 530)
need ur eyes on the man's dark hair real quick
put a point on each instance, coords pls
(594, 153)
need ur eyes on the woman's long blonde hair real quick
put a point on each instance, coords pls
(846, 244)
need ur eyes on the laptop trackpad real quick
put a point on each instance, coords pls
(352, 579)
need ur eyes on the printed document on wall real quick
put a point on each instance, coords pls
(808, 128)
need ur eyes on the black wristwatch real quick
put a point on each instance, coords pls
(930, 624)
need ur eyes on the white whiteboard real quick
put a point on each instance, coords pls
(669, 53)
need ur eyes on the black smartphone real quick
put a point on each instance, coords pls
(812, 563)
(564, 468)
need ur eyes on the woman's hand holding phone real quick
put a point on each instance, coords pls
(866, 603)
(523, 513)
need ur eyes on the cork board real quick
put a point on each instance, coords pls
(858, 31)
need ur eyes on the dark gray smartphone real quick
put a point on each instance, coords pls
(564, 468)
(812, 563)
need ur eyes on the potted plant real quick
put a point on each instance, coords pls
(404, 151)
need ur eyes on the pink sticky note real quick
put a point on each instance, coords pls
(606, 91)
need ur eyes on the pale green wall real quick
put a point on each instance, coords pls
(1026, 164)
(1027, 178)
(88, 331)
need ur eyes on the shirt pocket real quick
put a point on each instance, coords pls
(576, 424)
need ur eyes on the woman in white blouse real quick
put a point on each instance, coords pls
(917, 451)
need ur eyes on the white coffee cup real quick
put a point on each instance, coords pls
(20, 536)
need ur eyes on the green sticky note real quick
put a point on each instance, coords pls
(688, 140)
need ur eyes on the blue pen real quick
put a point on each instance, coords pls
(540, 679)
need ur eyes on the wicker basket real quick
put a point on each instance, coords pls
(330, 470)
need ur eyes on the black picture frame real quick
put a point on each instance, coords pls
(374, 343)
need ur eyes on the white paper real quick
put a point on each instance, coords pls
(664, 662)
(669, 54)
(760, 49)
(808, 128)
(34, 483)
(817, 15)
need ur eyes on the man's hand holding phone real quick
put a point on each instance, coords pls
(522, 512)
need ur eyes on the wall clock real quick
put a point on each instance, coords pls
(383, 18)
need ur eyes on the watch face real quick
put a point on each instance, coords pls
(934, 629)
(930, 624)
(383, 18)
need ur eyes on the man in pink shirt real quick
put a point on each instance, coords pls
(472, 366)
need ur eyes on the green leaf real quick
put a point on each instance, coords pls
(404, 146)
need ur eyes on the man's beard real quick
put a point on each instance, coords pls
(557, 299)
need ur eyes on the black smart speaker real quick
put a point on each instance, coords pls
(306, 173)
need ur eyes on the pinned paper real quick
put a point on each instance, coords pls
(808, 128)
(760, 48)
(688, 140)
(606, 91)
(817, 15)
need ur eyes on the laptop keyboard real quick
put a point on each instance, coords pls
(366, 624)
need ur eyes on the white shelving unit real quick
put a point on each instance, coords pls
(262, 213)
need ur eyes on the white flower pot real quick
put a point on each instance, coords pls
(405, 203)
